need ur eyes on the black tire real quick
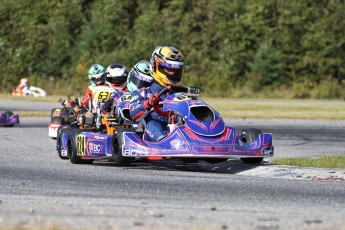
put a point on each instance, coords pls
(116, 148)
(215, 160)
(190, 160)
(72, 148)
(250, 135)
(60, 132)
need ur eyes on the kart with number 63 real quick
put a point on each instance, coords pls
(95, 126)
(62, 116)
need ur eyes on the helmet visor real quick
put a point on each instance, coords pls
(118, 80)
(139, 80)
(99, 79)
(172, 71)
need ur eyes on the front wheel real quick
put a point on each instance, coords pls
(117, 142)
(73, 148)
(250, 135)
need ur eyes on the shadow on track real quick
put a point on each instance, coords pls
(231, 166)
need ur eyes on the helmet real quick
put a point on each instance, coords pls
(97, 75)
(117, 76)
(24, 81)
(166, 65)
(139, 76)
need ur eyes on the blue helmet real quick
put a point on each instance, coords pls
(139, 76)
(97, 75)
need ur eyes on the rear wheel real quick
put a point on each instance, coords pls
(250, 135)
(117, 142)
(73, 148)
(60, 132)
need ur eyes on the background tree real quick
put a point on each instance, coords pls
(232, 48)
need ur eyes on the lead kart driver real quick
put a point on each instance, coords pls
(166, 68)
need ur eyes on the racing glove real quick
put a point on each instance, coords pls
(106, 106)
(152, 101)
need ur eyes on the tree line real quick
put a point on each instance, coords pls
(232, 48)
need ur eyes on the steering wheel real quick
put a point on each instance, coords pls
(180, 88)
(170, 89)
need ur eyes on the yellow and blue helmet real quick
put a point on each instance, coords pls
(139, 76)
(166, 65)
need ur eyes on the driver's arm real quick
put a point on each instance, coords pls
(136, 106)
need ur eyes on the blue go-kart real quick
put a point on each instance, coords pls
(8, 119)
(195, 132)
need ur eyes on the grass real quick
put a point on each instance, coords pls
(279, 109)
(49, 98)
(32, 113)
(322, 162)
(250, 108)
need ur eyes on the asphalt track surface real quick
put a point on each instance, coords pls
(37, 188)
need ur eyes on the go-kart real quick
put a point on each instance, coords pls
(70, 109)
(8, 119)
(92, 125)
(62, 116)
(195, 131)
(32, 91)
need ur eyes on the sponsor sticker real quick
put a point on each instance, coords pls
(95, 148)
(268, 151)
(177, 144)
(64, 153)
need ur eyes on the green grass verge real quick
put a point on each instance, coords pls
(253, 108)
(322, 162)
(50, 98)
(32, 113)
(279, 109)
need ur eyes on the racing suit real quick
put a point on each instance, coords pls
(113, 99)
(96, 93)
(156, 125)
(23, 89)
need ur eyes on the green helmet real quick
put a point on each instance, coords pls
(97, 75)
(139, 76)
